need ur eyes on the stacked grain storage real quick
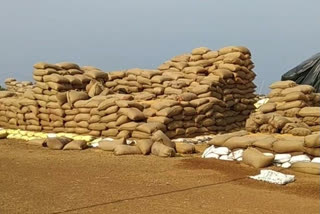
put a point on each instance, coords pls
(291, 109)
(18, 87)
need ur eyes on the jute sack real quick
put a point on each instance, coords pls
(300, 131)
(162, 150)
(185, 148)
(144, 145)
(218, 140)
(37, 142)
(57, 143)
(305, 167)
(295, 96)
(151, 127)
(170, 111)
(312, 141)
(257, 159)
(313, 151)
(306, 89)
(268, 107)
(239, 142)
(76, 145)
(251, 125)
(130, 126)
(310, 112)
(265, 143)
(97, 126)
(292, 104)
(287, 146)
(124, 134)
(132, 113)
(107, 145)
(74, 96)
(126, 150)
(159, 136)
(110, 132)
(140, 135)
(267, 128)
(283, 84)
(278, 121)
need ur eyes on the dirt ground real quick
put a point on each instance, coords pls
(39, 180)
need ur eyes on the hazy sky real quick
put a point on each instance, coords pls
(121, 34)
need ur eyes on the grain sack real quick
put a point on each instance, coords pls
(257, 159)
(313, 151)
(107, 145)
(300, 131)
(292, 104)
(268, 107)
(82, 117)
(95, 89)
(37, 142)
(170, 111)
(306, 89)
(239, 142)
(132, 113)
(159, 136)
(251, 125)
(283, 84)
(305, 167)
(310, 112)
(140, 135)
(218, 140)
(265, 143)
(44, 65)
(131, 126)
(278, 121)
(126, 150)
(97, 126)
(124, 134)
(287, 146)
(144, 145)
(295, 96)
(110, 132)
(185, 148)
(109, 118)
(151, 127)
(74, 96)
(76, 145)
(57, 143)
(162, 150)
(312, 141)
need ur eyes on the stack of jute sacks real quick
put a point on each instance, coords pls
(292, 109)
(193, 94)
(18, 87)
(198, 93)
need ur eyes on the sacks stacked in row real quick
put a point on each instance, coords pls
(18, 87)
(270, 143)
(291, 109)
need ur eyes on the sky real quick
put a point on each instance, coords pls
(123, 34)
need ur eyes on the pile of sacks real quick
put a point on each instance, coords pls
(292, 109)
(18, 87)
(194, 94)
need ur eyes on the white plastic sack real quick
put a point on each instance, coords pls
(209, 153)
(282, 158)
(222, 151)
(237, 154)
(226, 158)
(299, 158)
(316, 160)
(286, 165)
(273, 177)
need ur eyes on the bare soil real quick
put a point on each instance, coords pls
(39, 180)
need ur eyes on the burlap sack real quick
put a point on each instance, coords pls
(162, 150)
(306, 89)
(170, 111)
(312, 141)
(107, 145)
(310, 112)
(267, 128)
(109, 118)
(74, 96)
(151, 127)
(278, 121)
(37, 142)
(257, 159)
(47, 66)
(265, 143)
(268, 107)
(300, 131)
(57, 143)
(239, 142)
(82, 117)
(283, 84)
(305, 167)
(130, 126)
(287, 146)
(76, 145)
(110, 132)
(126, 150)
(124, 134)
(312, 151)
(185, 148)
(55, 78)
(97, 126)
(159, 136)
(292, 104)
(132, 113)
(144, 145)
